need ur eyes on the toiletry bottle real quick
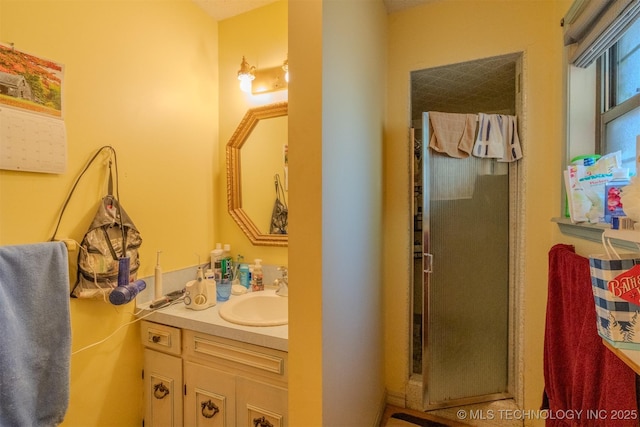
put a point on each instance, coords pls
(257, 273)
(243, 273)
(227, 262)
(216, 262)
(209, 274)
(252, 278)
(210, 285)
(613, 192)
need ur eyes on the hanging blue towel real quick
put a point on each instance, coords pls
(35, 341)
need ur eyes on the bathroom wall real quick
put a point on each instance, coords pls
(337, 106)
(142, 77)
(445, 32)
(261, 35)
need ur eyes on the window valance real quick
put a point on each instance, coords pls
(593, 26)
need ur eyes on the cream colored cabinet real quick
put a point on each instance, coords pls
(259, 404)
(162, 376)
(210, 397)
(225, 383)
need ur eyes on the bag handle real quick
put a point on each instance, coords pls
(608, 247)
(75, 184)
(279, 190)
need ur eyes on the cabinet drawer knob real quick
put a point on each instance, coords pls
(155, 339)
(209, 409)
(160, 391)
(261, 422)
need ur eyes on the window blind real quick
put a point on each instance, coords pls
(593, 26)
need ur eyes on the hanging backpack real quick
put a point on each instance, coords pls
(280, 212)
(111, 236)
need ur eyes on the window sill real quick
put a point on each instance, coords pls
(591, 232)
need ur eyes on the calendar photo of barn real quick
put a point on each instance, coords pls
(30, 83)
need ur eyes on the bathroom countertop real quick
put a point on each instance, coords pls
(208, 321)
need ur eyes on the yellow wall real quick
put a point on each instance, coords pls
(261, 36)
(337, 102)
(117, 55)
(446, 32)
(305, 205)
(142, 77)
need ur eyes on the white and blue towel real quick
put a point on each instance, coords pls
(35, 342)
(497, 138)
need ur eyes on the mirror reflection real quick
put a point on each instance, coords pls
(262, 158)
(256, 156)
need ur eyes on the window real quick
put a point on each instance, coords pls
(602, 39)
(619, 90)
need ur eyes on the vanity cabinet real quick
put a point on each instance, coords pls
(220, 382)
(162, 375)
(162, 389)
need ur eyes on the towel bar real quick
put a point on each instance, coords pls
(71, 245)
(72, 248)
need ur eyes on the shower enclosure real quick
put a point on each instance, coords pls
(465, 246)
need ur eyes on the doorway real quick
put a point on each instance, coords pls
(467, 218)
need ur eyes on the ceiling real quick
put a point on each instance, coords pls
(484, 85)
(223, 9)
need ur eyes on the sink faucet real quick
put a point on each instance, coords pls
(283, 283)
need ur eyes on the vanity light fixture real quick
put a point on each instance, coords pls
(246, 75)
(257, 81)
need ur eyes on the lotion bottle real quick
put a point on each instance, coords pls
(257, 275)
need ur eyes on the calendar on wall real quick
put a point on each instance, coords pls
(33, 143)
(32, 130)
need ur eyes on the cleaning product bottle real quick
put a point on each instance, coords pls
(257, 275)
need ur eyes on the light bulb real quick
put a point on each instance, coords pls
(245, 84)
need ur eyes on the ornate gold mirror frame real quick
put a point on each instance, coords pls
(234, 181)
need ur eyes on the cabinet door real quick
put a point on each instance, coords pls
(210, 397)
(162, 389)
(260, 405)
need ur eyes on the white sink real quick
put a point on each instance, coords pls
(262, 308)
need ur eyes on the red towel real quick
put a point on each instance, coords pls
(583, 379)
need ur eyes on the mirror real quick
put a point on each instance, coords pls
(256, 153)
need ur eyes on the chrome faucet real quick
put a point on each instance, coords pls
(283, 283)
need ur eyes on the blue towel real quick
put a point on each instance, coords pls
(35, 340)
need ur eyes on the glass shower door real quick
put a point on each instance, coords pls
(466, 278)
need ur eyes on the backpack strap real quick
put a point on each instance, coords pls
(75, 184)
(280, 190)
